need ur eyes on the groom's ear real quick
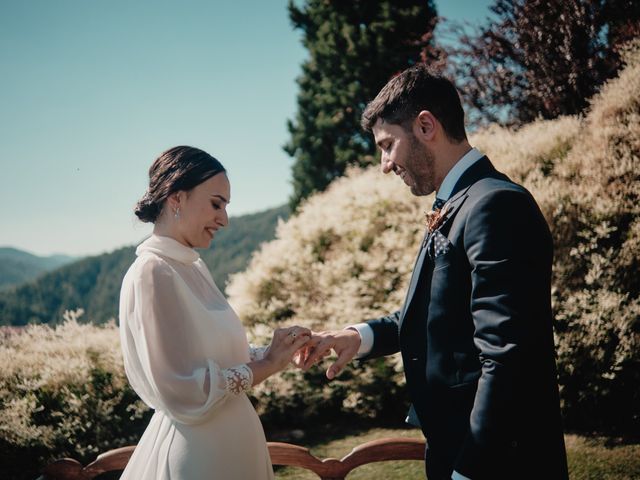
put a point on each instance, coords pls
(425, 126)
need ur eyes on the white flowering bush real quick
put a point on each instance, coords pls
(345, 257)
(63, 392)
(588, 185)
(347, 254)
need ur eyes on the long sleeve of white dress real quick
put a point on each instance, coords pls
(186, 355)
(173, 374)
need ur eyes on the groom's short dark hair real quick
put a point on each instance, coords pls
(415, 89)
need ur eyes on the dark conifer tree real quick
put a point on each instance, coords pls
(354, 48)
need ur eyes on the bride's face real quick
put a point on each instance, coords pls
(203, 211)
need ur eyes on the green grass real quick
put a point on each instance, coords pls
(601, 458)
(589, 458)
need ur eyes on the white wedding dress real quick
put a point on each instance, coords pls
(185, 354)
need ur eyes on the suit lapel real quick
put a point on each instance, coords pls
(452, 207)
(415, 275)
(478, 170)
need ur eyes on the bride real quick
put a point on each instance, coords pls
(185, 350)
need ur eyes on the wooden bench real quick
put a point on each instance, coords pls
(281, 454)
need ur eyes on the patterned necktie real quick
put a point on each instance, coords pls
(438, 204)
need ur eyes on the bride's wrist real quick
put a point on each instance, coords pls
(270, 366)
(262, 369)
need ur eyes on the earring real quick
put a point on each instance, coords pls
(177, 214)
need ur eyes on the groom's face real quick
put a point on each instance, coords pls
(403, 154)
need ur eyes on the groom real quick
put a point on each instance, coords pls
(475, 331)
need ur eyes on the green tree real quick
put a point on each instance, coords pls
(354, 48)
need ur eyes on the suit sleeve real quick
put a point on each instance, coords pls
(509, 248)
(385, 336)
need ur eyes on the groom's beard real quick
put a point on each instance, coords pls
(420, 165)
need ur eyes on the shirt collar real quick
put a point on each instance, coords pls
(168, 247)
(449, 182)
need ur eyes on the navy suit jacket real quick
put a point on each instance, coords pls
(476, 336)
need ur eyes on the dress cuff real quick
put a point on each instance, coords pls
(238, 379)
(366, 338)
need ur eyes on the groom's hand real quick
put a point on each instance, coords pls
(344, 342)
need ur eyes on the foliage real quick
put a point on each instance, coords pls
(63, 392)
(542, 58)
(17, 267)
(94, 283)
(586, 179)
(347, 254)
(354, 48)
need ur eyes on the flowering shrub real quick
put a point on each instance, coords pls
(585, 173)
(63, 392)
(347, 256)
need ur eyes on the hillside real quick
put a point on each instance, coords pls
(18, 266)
(93, 283)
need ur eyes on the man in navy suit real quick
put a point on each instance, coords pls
(475, 331)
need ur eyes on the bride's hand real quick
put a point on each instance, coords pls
(285, 343)
(300, 357)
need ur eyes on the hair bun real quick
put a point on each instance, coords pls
(147, 210)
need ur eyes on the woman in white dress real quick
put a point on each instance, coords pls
(185, 350)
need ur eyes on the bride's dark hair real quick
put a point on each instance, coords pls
(178, 169)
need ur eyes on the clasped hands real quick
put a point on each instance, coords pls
(305, 348)
(345, 344)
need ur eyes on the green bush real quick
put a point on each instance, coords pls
(63, 393)
(347, 254)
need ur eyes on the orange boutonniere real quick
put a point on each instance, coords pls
(435, 218)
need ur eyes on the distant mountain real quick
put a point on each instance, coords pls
(93, 283)
(17, 266)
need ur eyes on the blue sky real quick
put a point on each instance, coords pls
(92, 91)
